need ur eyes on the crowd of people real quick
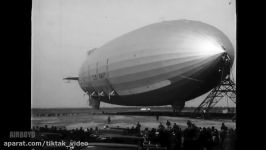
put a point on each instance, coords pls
(191, 138)
(168, 135)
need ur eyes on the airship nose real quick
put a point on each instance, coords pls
(228, 49)
(225, 64)
(229, 52)
(208, 47)
(220, 46)
(217, 47)
(227, 57)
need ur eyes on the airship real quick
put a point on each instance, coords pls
(165, 63)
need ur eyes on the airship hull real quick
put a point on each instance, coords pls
(160, 64)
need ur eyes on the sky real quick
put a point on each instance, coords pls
(64, 30)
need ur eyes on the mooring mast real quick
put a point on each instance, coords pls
(225, 89)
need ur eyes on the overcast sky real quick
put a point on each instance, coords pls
(64, 30)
